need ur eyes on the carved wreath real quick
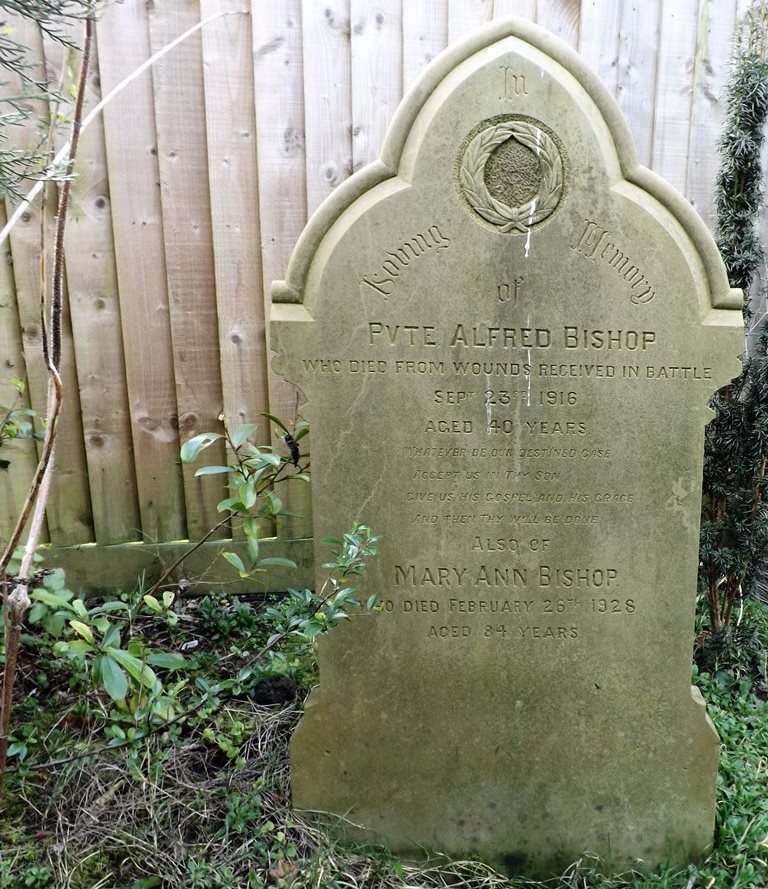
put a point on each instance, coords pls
(472, 176)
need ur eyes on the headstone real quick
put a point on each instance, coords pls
(507, 332)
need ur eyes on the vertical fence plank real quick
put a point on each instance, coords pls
(327, 97)
(22, 455)
(524, 8)
(425, 34)
(674, 90)
(717, 20)
(599, 38)
(183, 162)
(232, 174)
(95, 310)
(278, 73)
(562, 18)
(131, 147)
(377, 74)
(636, 74)
(69, 508)
(464, 15)
(280, 129)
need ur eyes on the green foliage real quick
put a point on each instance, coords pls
(16, 874)
(95, 640)
(739, 189)
(227, 620)
(232, 836)
(739, 859)
(28, 86)
(16, 420)
(735, 654)
(252, 475)
(131, 685)
(734, 528)
(228, 734)
(122, 667)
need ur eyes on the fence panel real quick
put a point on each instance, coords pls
(192, 192)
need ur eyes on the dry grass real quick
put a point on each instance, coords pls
(194, 818)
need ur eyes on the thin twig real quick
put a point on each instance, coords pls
(18, 601)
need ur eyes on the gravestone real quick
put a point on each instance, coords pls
(507, 332)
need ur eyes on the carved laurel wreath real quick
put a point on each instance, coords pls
(472, 176)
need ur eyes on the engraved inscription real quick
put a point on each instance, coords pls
(384, 279)
(509, 292)
(513, 84)
(597, 243)
(488, 336)
(480, 338)
(449, 576)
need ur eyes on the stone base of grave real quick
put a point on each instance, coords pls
(526, 780)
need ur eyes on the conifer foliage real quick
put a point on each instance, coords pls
(734, 527)
(24, 86)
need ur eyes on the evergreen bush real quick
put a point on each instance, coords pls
(28, 86)
(734, 527)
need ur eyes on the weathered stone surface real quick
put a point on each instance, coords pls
(507, 367)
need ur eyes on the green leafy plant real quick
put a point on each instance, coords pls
(288, 627)
(162, 608)
(734, 527)
(98, 637)
(16, 420)
(227, 619)
(272, 649)
(220, 732)
(302, 615)
(254, 472)
(51, 603)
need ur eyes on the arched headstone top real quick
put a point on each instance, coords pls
(529, 61)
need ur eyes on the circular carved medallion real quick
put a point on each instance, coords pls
(511, 174)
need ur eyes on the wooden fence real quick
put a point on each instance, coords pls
(192, 188)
